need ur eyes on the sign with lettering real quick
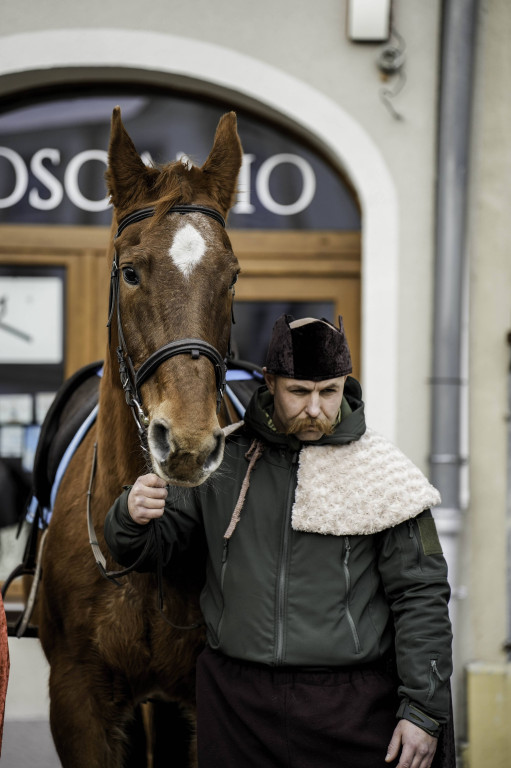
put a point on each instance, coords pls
(53, 157)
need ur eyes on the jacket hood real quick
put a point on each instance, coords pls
(259, 418)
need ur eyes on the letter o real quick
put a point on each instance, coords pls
(71, 180)
(263, 184)
(20, 187)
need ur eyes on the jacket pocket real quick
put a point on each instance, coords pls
(347, 576)
(416, 549)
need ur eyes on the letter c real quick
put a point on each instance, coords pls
(71, 180)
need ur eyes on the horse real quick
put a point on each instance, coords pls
(111, 646)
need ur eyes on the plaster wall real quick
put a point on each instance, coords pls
(307, 43)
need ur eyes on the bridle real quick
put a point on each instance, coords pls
(132, 379)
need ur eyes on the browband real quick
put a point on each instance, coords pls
(146, 213)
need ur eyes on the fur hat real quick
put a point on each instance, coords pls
(308, 349)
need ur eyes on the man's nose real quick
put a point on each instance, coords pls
(313, 409)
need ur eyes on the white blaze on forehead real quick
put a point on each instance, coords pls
(187, 249)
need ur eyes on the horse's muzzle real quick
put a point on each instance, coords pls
(186, 462)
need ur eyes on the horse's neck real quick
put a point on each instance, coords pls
(119, 457)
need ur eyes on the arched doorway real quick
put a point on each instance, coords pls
(295, 228)
(62, 56)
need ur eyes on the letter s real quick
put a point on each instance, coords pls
(52, 184)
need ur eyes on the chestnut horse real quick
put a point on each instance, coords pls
(109, 647)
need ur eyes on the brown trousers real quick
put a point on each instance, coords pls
(252, 716)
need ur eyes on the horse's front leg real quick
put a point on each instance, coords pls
(92, 718)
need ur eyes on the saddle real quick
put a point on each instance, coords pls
(73, 404)
(242, 380)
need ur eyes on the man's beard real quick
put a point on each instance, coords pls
(309, 425)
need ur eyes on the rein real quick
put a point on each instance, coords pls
(153, 540)
(132, 380)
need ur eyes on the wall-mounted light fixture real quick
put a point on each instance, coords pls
(369, 20)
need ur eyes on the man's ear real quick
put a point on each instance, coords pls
(270, 380)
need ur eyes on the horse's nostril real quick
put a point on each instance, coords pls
(159, 440)
(216, 455)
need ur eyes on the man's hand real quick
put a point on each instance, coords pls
(417, 747)
(146, 499)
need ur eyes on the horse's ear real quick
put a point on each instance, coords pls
(126, 175)
(222, 167)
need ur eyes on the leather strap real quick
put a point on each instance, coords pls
(146, 213)
(409, 712)
(193, 347)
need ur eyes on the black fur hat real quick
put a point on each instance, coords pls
(308, 349)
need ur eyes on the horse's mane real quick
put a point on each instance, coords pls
(161, 187)
(175, 184)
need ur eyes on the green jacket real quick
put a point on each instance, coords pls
(279, 596)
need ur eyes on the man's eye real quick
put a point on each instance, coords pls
(130, 276)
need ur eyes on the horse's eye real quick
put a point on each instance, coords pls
(234, 280)
(130, 276)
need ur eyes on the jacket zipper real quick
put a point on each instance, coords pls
(351, 621)
(434, 675)
(283, 566)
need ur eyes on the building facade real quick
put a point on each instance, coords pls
(362, 107)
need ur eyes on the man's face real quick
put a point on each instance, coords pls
(307, 409)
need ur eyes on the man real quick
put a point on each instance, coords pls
(325, 603)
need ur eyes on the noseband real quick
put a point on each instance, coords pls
(132, 380)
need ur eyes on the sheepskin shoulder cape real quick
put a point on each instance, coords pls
(359, 488)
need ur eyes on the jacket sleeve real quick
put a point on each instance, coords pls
(126, 539)
(414, 574)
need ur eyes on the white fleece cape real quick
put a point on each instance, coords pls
(360, 488)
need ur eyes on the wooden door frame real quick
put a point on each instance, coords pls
(303, 266)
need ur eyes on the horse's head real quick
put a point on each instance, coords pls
(175, 278)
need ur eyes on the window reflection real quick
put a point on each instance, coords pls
(255, 320)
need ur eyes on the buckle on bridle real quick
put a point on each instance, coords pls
(138, 413)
